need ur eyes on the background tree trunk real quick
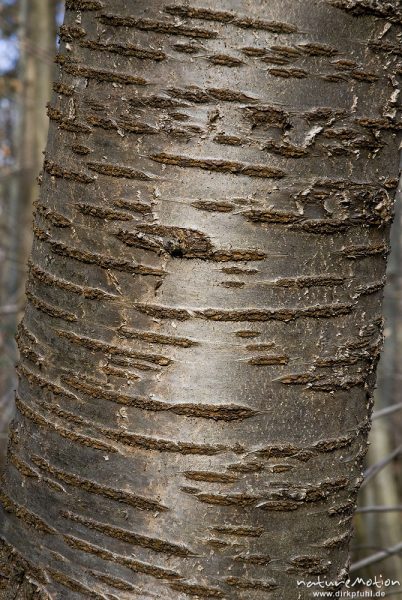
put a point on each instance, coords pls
(204, 300)
(29, 126)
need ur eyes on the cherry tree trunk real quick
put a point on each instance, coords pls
(204, 300)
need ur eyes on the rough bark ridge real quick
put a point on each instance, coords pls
(204, 301)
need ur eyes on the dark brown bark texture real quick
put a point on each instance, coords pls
(204, 301)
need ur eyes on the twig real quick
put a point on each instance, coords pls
(374, 558)
(387, 411)
(380, 509)
(374, 469)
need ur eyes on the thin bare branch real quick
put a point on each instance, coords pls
(379, 509)
(374, 469)
(387, 411)
(375, 558)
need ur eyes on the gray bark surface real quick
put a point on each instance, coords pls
(204, 300)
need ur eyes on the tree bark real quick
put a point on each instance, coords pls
(204, 301)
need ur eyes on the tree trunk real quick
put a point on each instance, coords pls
(204, 301)
(35, 70)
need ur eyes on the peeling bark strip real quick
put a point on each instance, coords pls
(228, 17)
(183, 243)
(390, 10)
(83, 5)
(96, 488)
(124, 50)
(129, 537)
(156, 26)
(220, 166)
(154, 453)
(77, 70)
(210, 314)
(228, 412)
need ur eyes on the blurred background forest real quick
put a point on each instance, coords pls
(28, 43)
